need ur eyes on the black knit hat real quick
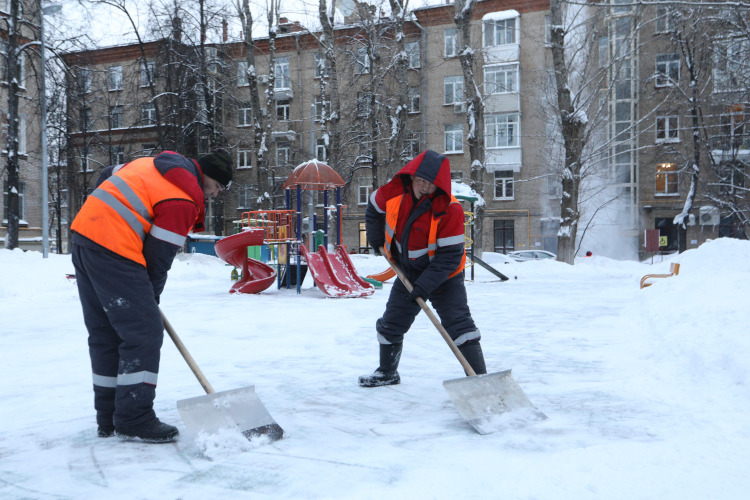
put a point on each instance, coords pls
(217, 165)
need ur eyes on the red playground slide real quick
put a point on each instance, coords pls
(335, 274)
(256, 276)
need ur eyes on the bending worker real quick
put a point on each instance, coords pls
(420, 224)
(125, 237)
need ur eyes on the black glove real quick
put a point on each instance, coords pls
(417, 291)
(376, 247)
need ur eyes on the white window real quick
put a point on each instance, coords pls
(282, 110)
(83, 80)
(21, 201)
(364, 194)
(115, 78)
(320, 150)
(148, 113)
(244, 115)
(319, 65)
(414, 95)
(320, 107)
(85, 163)
(667, 128)
(731, 69)
(667, 69)
(283, 153)
(411, 144)
(283, 81)
(147, 73)
(115, 117)
(666, 179)
(454, 89)
(501, 79)
(499, 32)
(244, 158)
(547, 30)
(363, 61)
(244, 196)
(450, 42)
(118, 155)
(665, 19)
(87, 119)
(364, 104)
(412, 52)
(242, 79)
(454, 138)
(504, 185)
(502, 131)
(21, 134)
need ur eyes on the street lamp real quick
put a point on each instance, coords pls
(49, 9)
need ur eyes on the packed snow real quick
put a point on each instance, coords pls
(645, 390)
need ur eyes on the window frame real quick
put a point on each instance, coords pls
(504, 125)
(454, 135)
(456, 83)
(413, 54)
(505, 183)
(671, 65)
(509, 71)
(244, 115)
(668, 126)
(450, 40)
(499, 30)
(670, 177)
(114, 78)
(244, 159)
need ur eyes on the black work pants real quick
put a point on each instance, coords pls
(125, 334)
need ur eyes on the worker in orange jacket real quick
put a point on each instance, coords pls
(125, 238)
(420, 225)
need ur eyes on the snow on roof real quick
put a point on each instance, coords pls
(501, 15)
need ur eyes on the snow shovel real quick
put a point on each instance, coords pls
(490, 402)
(238, 409)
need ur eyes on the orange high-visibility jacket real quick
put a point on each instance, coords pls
(119, 213)
(393, 206)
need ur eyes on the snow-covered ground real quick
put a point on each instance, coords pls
(647, 391)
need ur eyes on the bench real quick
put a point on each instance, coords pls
(674, 270)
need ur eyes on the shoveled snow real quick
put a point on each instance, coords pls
(646, 391)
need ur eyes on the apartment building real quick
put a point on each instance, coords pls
(29, 133)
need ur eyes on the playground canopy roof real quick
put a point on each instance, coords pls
(313, 176)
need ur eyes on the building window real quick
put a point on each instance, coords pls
(320, 107)
(364, 194)
(504, 185)
(450, 42)
(283, 153)
(454, 89)
(282, 110)
(666, 179)
(148, 113)
(21, 201)
(244, 115)
(364, 104)
(319, 65)
(117, 155)
(85, 163)
(412, 52)
(667, 69)
(501, 79)
(244, 196)
(731, 70)
(87, 119)
(502, 131)
(242, 79)
(363, 61)
(554, 186)
(665, 19)
(320, 150)
(21, 134)
(147, 73)
(414, 95)
(115, 117)
(603, 51)
(244, 158)
(667, 128)
(547, 30)
(115, 78)
(499, 32)
(454, 138)
(283, 81)
(83, 80)
(411, 144)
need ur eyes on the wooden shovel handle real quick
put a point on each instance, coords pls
(435, 321)
(185, 354)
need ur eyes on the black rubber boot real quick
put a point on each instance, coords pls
(472, 351)
(153, 431)
(386, 374)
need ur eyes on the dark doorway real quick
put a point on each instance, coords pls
(667, 228)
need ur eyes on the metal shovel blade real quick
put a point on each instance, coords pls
(492, 402)
(239, 409)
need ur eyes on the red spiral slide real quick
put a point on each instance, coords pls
(256, 276)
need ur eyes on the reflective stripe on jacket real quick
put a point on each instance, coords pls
(393, 207)
(119, 213)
